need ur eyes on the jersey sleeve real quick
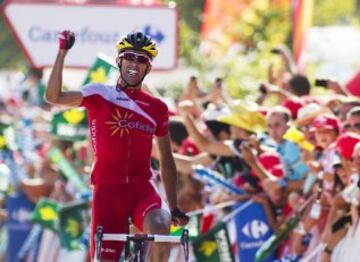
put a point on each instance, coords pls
(162, 127)
(89, 93)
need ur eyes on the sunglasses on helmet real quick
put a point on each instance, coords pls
(139, 58)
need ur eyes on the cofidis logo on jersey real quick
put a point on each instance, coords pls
(122, 123)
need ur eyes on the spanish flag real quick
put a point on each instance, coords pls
(302, 14)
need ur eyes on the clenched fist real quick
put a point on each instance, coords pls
(66, 39)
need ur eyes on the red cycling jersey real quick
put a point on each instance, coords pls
(122, 124)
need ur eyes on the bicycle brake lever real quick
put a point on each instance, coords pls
(99, 237)
(185, 243)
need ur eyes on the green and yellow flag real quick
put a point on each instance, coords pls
(70, 124)
(7, 137)
(193, 226)
(102, 71)
(73, 219)
(46, 214)
(214, 246)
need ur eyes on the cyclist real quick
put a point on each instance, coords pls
(122, 122)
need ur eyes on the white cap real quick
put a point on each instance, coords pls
(213, 112)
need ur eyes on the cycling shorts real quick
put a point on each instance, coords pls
(113, 205)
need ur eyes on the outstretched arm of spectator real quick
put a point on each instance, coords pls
(203, 142)
(287, 58)
(254, 164)
(337, 209)
(336, 87)
(265, 202)
(184, 163)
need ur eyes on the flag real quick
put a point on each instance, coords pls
(302, 13)
(46, 213)
(101, 71)
(252, 231)
(70, 173)
(209, 176)
(73, 219)
(70, 124)
(274, 241)
(193, 226)
(214, 246)
(7, 137)
(296, 136)
(19, 225)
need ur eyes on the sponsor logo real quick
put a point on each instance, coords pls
(65, 129)
(224, 248)
(122, 99)
(93, 134)
(207, 248)
(22, 215)
(255, 229)
(108, 250)
(122, 124)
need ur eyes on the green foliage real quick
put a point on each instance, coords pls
(191, 12)
(244, 63)
(11, 55)
(334, 12)
(260, 27)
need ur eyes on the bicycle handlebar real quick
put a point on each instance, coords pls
(143, 237)
(138, 238)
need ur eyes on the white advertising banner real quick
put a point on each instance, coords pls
(97, 29)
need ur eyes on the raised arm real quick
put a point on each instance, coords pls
(54, 94)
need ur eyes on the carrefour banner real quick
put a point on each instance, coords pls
(97, 27)
(252, 229)
(19, 223)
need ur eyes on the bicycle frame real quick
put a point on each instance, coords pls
(139, 240)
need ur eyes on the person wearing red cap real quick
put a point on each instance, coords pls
(345, 145)
(326, 129)
(293, 104)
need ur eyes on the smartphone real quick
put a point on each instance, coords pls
(275, 51)
(321, 82)
(315, 211)
(263, 89)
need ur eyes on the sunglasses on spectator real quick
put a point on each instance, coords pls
(133, 57)
(348, 126)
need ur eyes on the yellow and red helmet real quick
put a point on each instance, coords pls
(137, 41)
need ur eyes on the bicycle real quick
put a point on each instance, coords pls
(139, 241)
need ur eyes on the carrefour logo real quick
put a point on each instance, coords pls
(255, 229)
(22, 215)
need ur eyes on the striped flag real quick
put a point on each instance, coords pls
(302, 14)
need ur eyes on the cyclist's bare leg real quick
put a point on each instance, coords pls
(157, 221)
